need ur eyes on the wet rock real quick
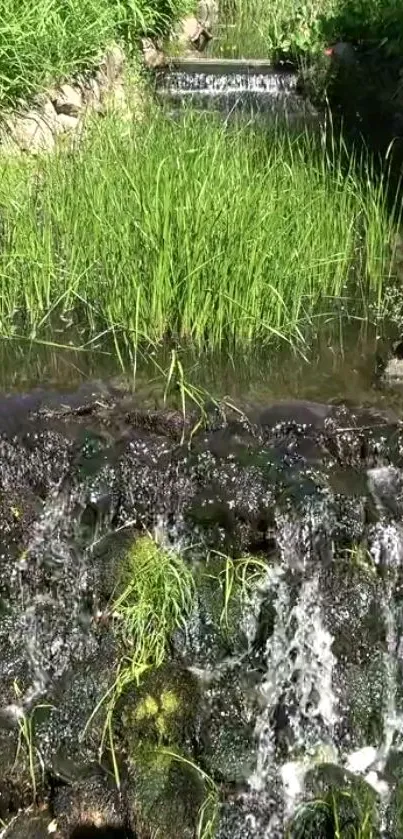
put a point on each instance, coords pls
(227, 730)
(347, 800)
(394, 777)
(215, 631)
(31, 826)
(247, 814)
(93, 804)
(295, 412)
(264, 672)
(160, 724)
(166, 791)
(15, 779)
(162, 711)
(67, 732)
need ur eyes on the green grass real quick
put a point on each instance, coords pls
(341, 813)
(44, 40)
(276, 28)
(191, 231)
(156, 598)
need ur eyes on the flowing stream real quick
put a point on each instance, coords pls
(233, 87)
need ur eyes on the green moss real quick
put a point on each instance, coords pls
(169, 702)
(167, 795)
(162, 711)
(147, 708)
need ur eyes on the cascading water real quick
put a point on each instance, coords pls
(301, 716)
(270, 92)
(295, 681)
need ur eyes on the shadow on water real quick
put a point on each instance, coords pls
(366, 101)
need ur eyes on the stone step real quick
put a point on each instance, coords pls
(226, 66)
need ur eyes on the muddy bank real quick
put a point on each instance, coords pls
(280, 536)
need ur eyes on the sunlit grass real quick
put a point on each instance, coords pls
(193, 231)
(42, 41)
(275, 28)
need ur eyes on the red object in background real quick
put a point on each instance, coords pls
(329, 51)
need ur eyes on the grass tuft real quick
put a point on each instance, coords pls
(158, 591)
(192, 231)
(157, 596)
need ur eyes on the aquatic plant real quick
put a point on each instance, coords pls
(237, 578)
(361, 559)
(190, 231)
(341, 813)
(157, 595)
(26, 741)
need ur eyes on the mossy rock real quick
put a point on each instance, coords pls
(394, 777)
(16, 782)
(163, 710)
(394, 815)
(164, 796)
(338, 799)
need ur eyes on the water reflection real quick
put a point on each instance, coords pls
(336, 367)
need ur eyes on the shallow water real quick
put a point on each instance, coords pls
(340, 365)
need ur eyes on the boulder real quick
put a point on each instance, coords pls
(68, 100)
(67, 123)
(93, 804)
(154, 58)
(114, 63)
(207, 13)
(193, 34)
(31, 826)
(31, 132)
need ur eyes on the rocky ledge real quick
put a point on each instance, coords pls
(178, 599)
(60, 111)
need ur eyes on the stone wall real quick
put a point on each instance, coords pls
(60, 111)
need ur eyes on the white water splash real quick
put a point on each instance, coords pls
(299, 672)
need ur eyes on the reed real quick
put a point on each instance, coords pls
(194, 231)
